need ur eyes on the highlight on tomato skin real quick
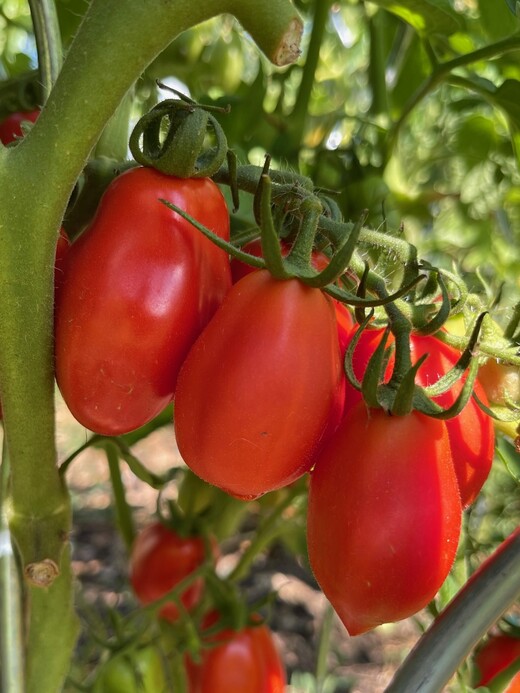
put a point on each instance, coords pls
(243, 661)
(274, 380)
(384, 516)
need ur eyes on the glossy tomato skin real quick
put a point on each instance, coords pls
(159, 560)
(498, 653)
(247, 661)
(139, 286)
(384, 516)
(138, 671)
(255, 393)
(344, 319)
(471, 433)
(10, 127)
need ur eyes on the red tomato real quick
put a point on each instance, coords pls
(384, 516)
(247, 661)
(255, 394)
(344, 319)
(159, 560)
(499, 652)
(471, 433)
(365, 348)
(10, 127)
(140, 284)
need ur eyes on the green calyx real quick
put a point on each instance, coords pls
(172, 138)
(400, 395)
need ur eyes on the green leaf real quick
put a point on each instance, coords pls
(425, 16)
(507, 97)
(496, 20)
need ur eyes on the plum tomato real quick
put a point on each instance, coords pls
(255, 394)
(159, 560)
(384, 516)
(244, 661)
(139, 285)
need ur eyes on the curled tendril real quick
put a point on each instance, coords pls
(172, 139)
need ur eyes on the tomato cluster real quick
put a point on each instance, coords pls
(150, 311)
(393, 488)
(235, 661)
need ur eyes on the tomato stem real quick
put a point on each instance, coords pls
(494, 586)
(123, 512)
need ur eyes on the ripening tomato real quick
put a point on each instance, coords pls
(246, 661)
(471, 433)
(500, 381)
(497, 654)
(384, 516)
(159, 560)
(139, 286)
(256, 391)
(136, 671)
(10, 127)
